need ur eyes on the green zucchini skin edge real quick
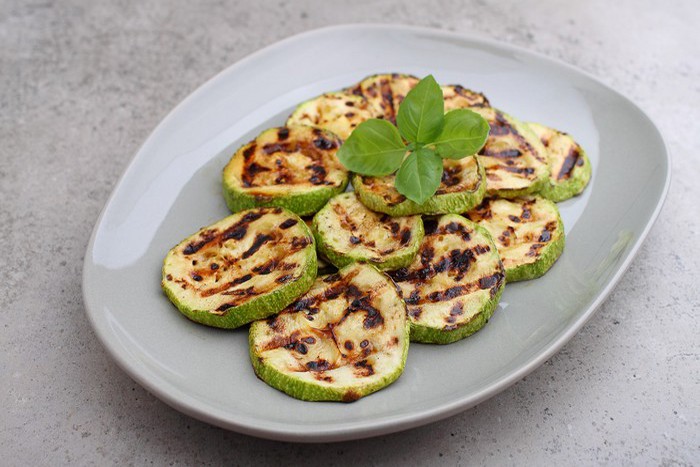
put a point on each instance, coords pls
(431, 335)
(308, 391)
(448, 203)
(534, 188)
(549, 256)
(393, 261)
(259, 307)
(302, 204)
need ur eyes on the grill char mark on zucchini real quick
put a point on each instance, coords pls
(241, 268)
(570, 167)
(346, 231)
(277, 172)
(292, 167)
(528, 232)
(571, 160)
(459, 97)
(337, 112)
(513, 157)
(454, 284)
(385, 92)
(346, 338)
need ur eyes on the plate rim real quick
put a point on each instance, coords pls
(184, 403)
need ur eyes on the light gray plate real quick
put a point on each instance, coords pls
(172, 187)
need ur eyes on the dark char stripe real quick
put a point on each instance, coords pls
(288, 223)
(569, 163)
(260, 240)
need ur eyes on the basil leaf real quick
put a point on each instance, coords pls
(464, 133)
(374, 148)
(419, 175)
(421, 113)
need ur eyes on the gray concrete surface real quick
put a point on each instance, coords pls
(83, 84)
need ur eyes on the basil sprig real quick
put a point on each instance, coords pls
(377, 148)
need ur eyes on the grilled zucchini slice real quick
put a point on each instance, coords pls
(459, 97)
(513, 157)
(385, 92)
(346, 232)
(528, 232)
(245, 267)
(570, 169)
(462, 187)
(290, 167)
(345, 338)
(455, 282)
(337, 112)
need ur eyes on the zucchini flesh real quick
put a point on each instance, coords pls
(345, 338)
(347, 231)
(459, 97)
(528, 233)
(337, 112)
(385, 92)
(454, 284)
(247, 266)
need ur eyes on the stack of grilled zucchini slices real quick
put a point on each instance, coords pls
(335, 297)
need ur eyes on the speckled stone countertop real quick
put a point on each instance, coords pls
(82, 84)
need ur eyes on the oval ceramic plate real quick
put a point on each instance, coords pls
(173, 186)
